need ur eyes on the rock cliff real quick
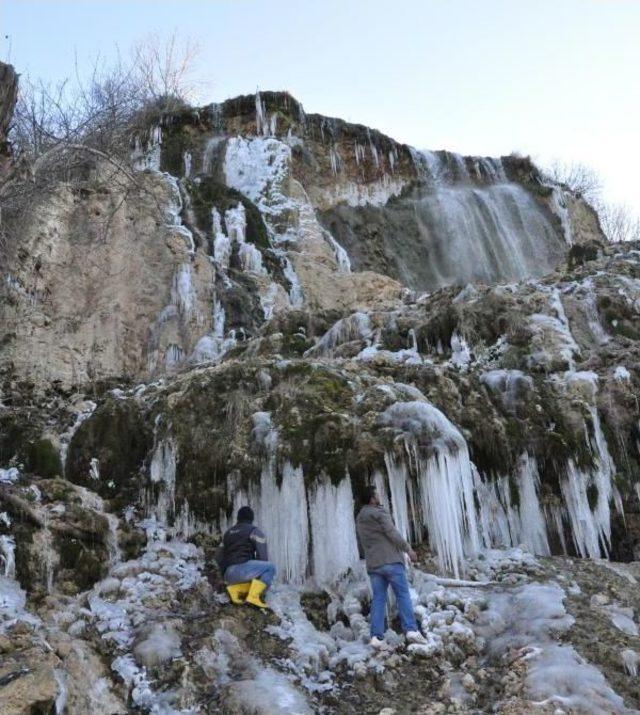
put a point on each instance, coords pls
(278, 308)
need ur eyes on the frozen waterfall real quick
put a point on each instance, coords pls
(439, 456)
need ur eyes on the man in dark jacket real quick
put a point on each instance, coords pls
(384, 549)
(244, 561)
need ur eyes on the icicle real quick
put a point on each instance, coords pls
(533, 530)
(250, 257)
(281, 509)
(559, 207)
(630, 660)
(163, 473)
(113, 547)
(342, 257)
(94, 469)
(374, 155)
(282, 514)
(174, 211)
(148, 157)
(460, 353)
(7, 551)
(505, 525)
(221, 242)
(295, 291)
(495, 512)
(219, 318)
(397, 476)
(333, 534)
(335, 160)
(379, 482)
(187, 163)
(60, 704)
(211, 348)
(262, 126)
(591, 528)
(268, 300)
(354, 327)
(47, 553)
(441, 459)
(85, 412)
(183, 294)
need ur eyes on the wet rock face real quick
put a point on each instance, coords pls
(242, 211)
(417, 237)
(108, 451)
(59, 536)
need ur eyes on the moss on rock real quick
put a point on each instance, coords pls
(119, 438)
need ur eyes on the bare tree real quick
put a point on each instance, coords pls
(164, 70)
(99, 111)
(618, 222)
(580, 178)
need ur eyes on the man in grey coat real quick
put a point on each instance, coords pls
(384, 549)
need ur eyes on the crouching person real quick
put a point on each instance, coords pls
(384, 549)
(245, 562)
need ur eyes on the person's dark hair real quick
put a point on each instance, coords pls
(245, 513)
(367, 493)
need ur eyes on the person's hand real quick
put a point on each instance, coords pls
(412, 555)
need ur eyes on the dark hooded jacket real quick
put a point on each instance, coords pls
(241, 543)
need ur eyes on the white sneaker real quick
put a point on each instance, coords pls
(376, 642)
(416, 637)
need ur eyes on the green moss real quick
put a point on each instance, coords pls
(579, 254)
(211, 424)
(85, 564)
(209, 193)
(175, 141)
(438, 330)
(118, 436)
(43, 459)
(295, 345)
(314, 420)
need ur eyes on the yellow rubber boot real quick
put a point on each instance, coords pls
(238, 592)
(255, 593)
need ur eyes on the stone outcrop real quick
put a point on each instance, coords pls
(8, 97)
(261, 209)
(276, 308)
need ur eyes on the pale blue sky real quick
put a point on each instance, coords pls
(552, 78)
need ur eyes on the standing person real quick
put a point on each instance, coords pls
(244, 561)
(384, 549)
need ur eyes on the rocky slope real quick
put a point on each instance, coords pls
(280, 308)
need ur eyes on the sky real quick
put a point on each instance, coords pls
(555, 79)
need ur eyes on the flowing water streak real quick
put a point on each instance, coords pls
(482, 227)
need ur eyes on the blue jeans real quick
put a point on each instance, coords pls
(381, 577)
(241, 573)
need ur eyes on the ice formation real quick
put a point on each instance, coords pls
(333, 535)
(504, 524)
(591, 527)
(444, 472)
(354, 327)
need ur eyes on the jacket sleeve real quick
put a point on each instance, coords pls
(260, 543)
(390, 531)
